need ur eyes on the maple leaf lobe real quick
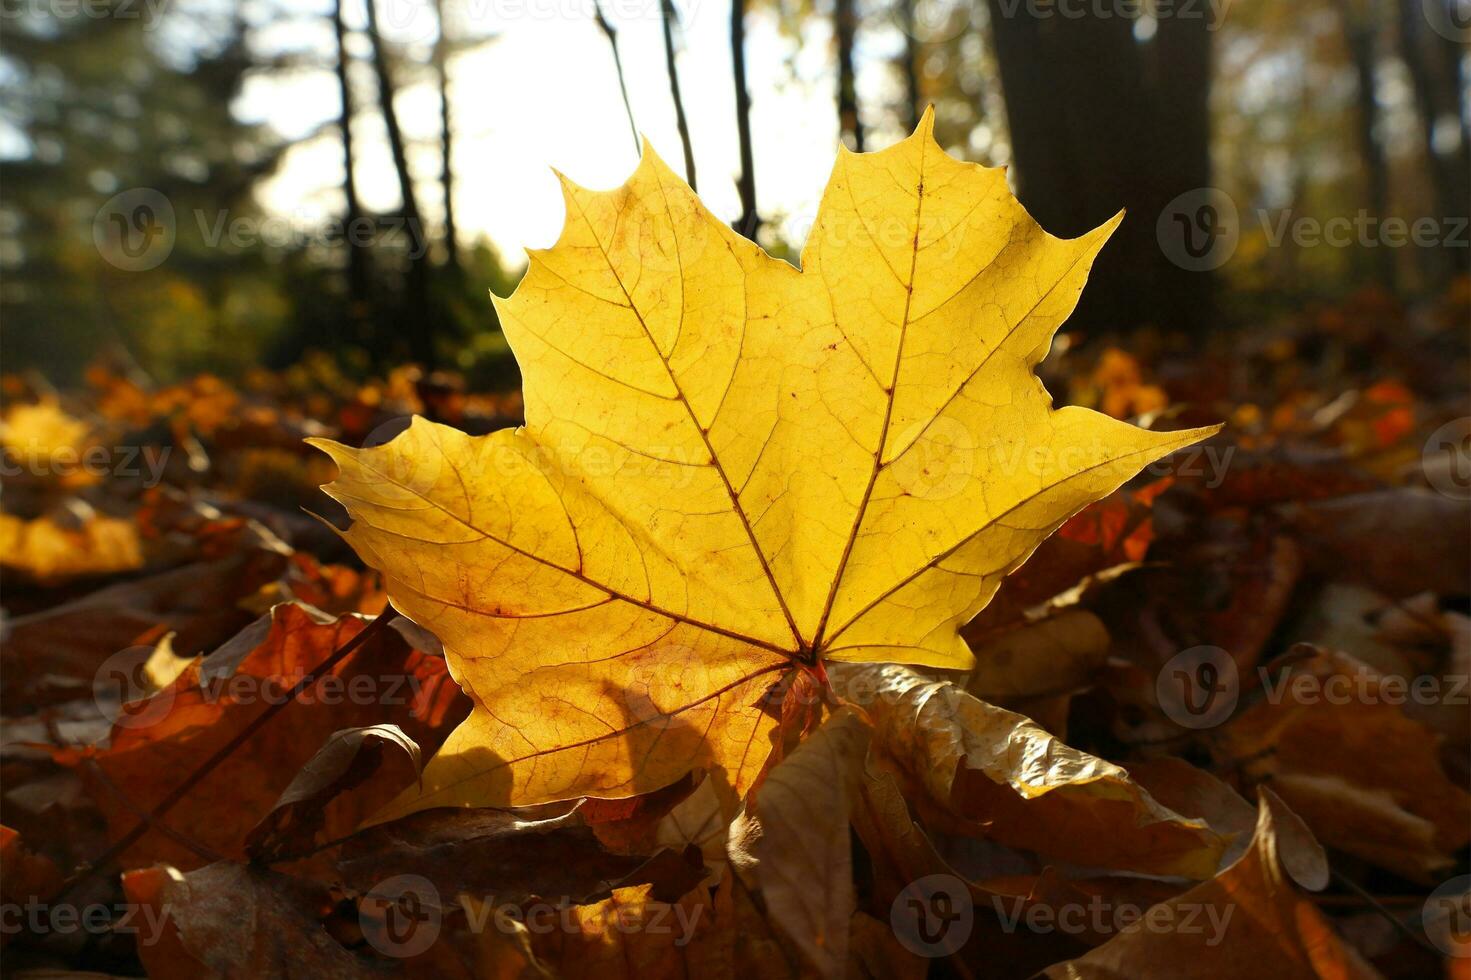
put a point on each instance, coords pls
(730, 466)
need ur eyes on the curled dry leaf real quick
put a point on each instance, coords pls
(1365, 776)
(1250, 920)
(803, 854)
(729, 465)
(344, 761)
(1006, 778)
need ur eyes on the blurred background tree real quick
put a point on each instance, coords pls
(327, 167)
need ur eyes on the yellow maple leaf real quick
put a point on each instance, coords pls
(730, 466)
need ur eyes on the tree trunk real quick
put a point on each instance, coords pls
(1180, 81)
(909, 68)
(850, 127)
(421, 331)
(446, 143)
(1438, 103)
(1360, 36)
(750, 222)
(1080, 123)
(358, 275)
(666, 10)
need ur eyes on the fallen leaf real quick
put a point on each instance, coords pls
(1400, 541)
(497, 856)
(630, 933)
(25, 876)
(802, 857)
(1051, 656)
(71, 642)
(158, 741)
(729, 466)
(1336, 745)
(1007, 779)
(1248, 919)
(73, 541)
(343, 762)
(232, 921)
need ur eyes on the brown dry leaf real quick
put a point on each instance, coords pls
(1036, 668)
(158, 741)
(1249, 919)
(701, 818)
(1003, 777)
(345, 761)
(500, 856)
(232, 921)
(874, 952)
(63, 647)
(25, 876)
(1401, 541)
(802, 850)
(1193, 792)
(1366, 777)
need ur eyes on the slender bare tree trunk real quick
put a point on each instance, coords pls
(357, 259)
(421, 339)
(1360, 35)
(666, 10)
(750, 222)
(612, 37)
(446, 142)
(1449, 169)
(913, 101)
(845, 24)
